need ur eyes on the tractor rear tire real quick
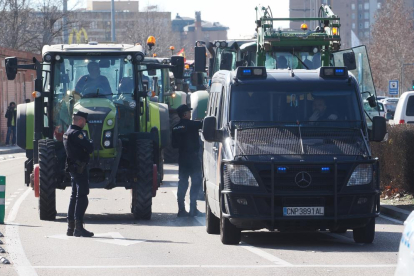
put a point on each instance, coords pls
(142, 190)
(47, 176)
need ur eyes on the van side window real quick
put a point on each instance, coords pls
(221, 110)
(410, 106)
(210, 104)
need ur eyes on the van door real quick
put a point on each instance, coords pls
(217, 149)
(362, 73)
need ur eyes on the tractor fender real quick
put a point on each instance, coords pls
(25, 125)
(199, 101)
(36, 180)
(164, 128)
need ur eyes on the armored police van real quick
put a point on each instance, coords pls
(289, 150)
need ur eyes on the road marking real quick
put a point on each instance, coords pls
(117, 238)
(271, 258)
(392, 219)
(217, 266)
(16, 193)
(13, 196)
(16, 252)
(247, 246)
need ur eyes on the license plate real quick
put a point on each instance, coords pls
(303, 211)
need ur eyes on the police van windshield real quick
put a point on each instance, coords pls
(337, 108)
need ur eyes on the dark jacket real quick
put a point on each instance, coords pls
(77, 146)
(9, 115)
(185, 137)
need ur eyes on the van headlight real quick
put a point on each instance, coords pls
(362, 175)
(241, 175)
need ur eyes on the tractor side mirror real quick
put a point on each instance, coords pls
(11, 67)
(349, 60)
(178, 69)
(197, 78)
(200, 59)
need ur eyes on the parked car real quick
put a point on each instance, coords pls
(390, 105)
(405, 264)
(404, 112)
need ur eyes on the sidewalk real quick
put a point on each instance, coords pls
(396, 212)
(9, 150)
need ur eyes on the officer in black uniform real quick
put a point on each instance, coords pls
(78, 148)
(185, 137)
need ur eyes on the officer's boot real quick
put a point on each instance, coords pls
(80, 231)
(193, 210)
(71, 227)
(181, 210)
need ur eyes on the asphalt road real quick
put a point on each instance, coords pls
(167, 245)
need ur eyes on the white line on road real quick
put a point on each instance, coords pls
(216, 266)
(247, 246)
(16, 252)
(391, 219)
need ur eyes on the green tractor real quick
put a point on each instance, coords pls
(302, 49)
(167, 89)
(128, 130)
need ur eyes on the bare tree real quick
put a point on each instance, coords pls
(150, 23)
(14, 23)
(392, 43)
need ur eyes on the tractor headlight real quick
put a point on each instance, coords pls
(108, 134)
(241, 175)
(107, 143)
(362, 175)
(110, 122)
(47, 57)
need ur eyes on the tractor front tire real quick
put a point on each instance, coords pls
(142, 190)
(47, 176)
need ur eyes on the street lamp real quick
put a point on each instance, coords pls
(172, 48)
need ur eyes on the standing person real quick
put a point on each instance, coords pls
(78, 148)
(11, 123)
(185, 137)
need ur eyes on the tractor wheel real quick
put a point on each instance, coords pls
(142, 190)
(212, 222)
(229, 233)
(365, 234)
(47, 176)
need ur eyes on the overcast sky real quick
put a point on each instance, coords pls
(238, 15)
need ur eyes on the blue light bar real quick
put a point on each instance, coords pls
(247, 72)
(339, 72)
(334, 72)
(325, 169)
(281, 169)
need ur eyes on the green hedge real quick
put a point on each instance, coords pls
(396, 157)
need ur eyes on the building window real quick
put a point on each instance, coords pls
(366, 34)
(366, 15)
(353, 16)
(93, 25)
(353, 25)
(360, 16)
(360, 25)
(360, 7)
(366, 6)
(366, 25)
(353, 6)
(379, 5)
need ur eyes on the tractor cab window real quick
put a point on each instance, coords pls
(294, 60)
(225, 60)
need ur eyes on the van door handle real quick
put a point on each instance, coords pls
(215, 149)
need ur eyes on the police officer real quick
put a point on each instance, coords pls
(185, 137)
(78, 148)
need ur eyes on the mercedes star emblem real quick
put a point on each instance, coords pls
(303, 179)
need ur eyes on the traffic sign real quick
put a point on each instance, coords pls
(393, 87)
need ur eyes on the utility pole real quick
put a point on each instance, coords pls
(65, 22)
(113, 21)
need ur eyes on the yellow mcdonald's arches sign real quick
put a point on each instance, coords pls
(78, 36)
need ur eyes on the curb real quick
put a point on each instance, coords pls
(394, 212)
(11, 150)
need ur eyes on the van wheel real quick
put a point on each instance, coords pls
(212, 222)
(229, 233)
(47, 178)
(365, 234)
